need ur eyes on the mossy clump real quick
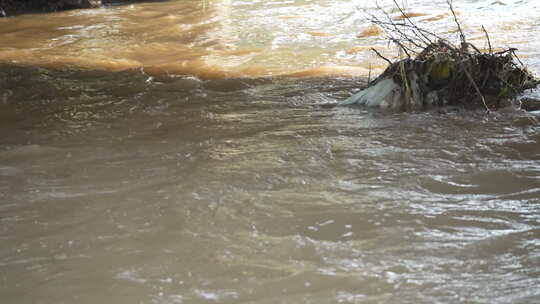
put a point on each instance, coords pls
(447, 75)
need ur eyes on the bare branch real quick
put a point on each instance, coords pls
(461, 35)
(403, 48)
(488, 41)
(391, 25)
(513, 51)
(369, 75)
(477, 90)
(386, 24)
(379, 54)
(420, 34)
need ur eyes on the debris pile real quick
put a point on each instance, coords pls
(442, 73)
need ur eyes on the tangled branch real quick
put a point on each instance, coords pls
(437, 71)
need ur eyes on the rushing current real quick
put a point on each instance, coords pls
(191, 152)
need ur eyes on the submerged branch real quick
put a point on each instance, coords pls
(477, 90)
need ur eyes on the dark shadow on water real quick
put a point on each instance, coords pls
(13, 8)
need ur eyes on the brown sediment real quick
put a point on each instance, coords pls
(358, 49)
(409, 15)
(370, 31)
(205, 71)
(241, 52)
(441, 16)
(344, 71)
(451, 31)
(436, 18)
(196, 68)
(55, 62)
(319, 34)
(291, 17)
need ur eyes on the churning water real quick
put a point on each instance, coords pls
(147, 156)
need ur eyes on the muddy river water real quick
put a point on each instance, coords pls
(189, 152)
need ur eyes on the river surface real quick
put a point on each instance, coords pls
(191, 152)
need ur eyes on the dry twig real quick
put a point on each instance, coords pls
(379, 54)
(488, 41)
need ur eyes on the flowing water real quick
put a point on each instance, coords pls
(189, 152)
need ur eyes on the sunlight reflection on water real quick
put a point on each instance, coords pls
(233, 38)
